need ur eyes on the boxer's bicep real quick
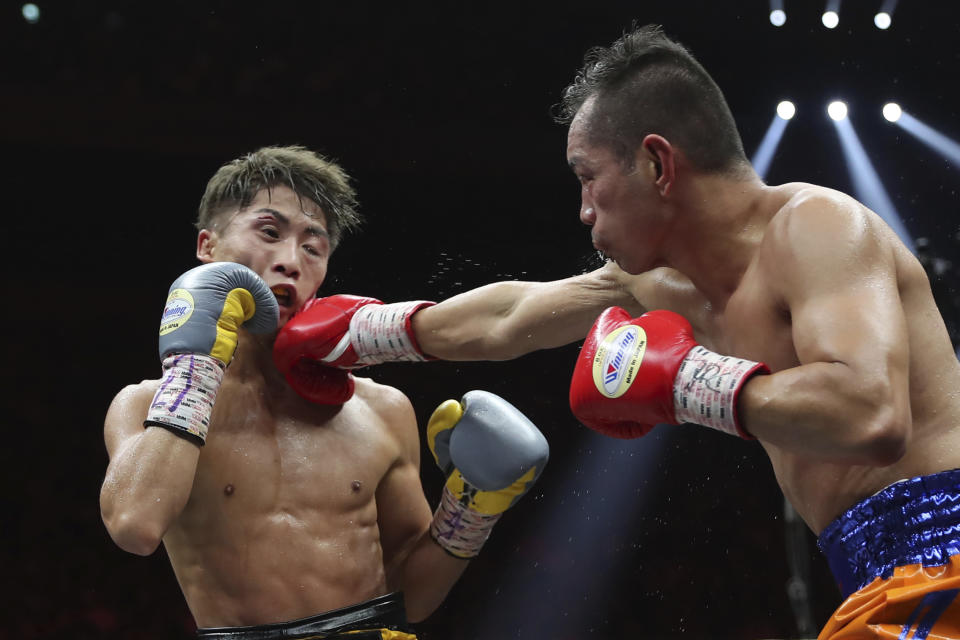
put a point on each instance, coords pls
(839, 281)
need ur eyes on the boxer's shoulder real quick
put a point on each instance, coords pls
(389, 403)
(812, 210)
(135, 395)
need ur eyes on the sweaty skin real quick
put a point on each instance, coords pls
(290, 509)
(864, 384)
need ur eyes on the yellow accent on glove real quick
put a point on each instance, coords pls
(489, 503)
(238, 307)
(444, 418)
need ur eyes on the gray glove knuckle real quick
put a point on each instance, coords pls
(494, 444)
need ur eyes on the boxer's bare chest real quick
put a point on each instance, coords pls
(267, 457)
(754, 324)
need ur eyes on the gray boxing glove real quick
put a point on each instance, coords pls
(205, 308)
(491, 454)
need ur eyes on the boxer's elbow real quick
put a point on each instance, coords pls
(885, 428)
(131, 531)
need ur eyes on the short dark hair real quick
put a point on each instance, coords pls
(647, 83)
(307, 173)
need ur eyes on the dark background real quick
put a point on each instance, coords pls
(114, 115)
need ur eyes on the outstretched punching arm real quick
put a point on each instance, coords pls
(499, 321)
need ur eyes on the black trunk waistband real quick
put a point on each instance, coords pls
(385, 612)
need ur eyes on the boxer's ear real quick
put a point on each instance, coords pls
(206, 242)
(663, 155)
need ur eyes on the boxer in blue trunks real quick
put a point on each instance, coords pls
(789, 314)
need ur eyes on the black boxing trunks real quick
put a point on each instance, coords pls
(382, 618)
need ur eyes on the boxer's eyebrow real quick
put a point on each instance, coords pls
(313, 230)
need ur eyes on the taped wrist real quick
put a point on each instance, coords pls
(383, 333)
(706, 389)
(184, 401)
(458, 529)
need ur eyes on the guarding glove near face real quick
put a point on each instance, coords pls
(635, 373)
(205, 309)
(491, 454)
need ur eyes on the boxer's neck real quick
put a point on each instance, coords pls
(253, 361)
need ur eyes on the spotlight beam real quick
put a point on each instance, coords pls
(768, 146)
(930, 137)
(866, 183)
(594, 500)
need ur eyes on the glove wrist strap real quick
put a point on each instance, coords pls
(706, 389)
(184, 401)
(458, 529)
(383, 333)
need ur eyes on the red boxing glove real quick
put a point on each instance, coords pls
(349, 332)
(635, 373)
(320, 384)
(345, 332)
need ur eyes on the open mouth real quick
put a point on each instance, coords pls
(283, 295)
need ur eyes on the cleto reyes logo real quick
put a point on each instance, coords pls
(617, 360)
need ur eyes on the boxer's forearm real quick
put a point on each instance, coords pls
(505, 320)
(148, 482)
(829, 411)
(426, 576)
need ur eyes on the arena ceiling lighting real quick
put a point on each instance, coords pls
(884, 17)
(892, 111)
(763, 157)
(777, 15)
(830, 19)
(837, 110)
(786, 110)
(31, 12)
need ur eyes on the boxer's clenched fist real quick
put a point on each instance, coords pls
(205, 308)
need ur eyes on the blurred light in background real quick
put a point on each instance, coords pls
(31, 13)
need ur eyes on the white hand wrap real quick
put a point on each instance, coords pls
(382, 333)
(461, 531)
(184, 401)
(706, 388)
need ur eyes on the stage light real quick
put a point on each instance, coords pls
(884, 17)
(867, 186)
(837, 110)
(942, 144)
(771, 140)
(786, 110)
(31, 13)
(892, 111)
(778, 17)
(830, 19)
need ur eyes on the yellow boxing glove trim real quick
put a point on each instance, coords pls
(490, 502)
(238, 304)
(443, 418)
